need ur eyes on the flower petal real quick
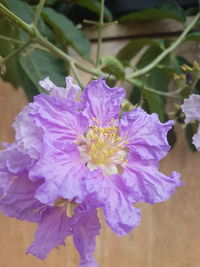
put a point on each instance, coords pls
(145, 134)
(14, 161)
(63, 171)
(53, 228)
(191, 108)
(120, 215)
(147, 184)
(28, 136)
(70, 91)
(53, 116)
(196, 139)
(85, 228)
(102, 102)
(19, 201)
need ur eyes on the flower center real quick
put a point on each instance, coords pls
(103, 147)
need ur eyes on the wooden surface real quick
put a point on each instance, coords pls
(169, 234)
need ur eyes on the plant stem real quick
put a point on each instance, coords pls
(100, 30)
(38, 38)
(38, 12)
(15, 52)
(35, 35)
(10, 39)
(168, 50)
(74, 69)
(58, 52)
(142, 86)
(16, 20)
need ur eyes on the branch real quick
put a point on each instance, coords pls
(74, 70)
(144, 87)
(38, 12)
(16, 20)
(10, 39)
(15, 52)
(168, 50)
(100, 33)
(38, 38)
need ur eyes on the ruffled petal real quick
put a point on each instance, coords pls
(85, 228)
(53, 116)
(70, 91)
(102, 102)
(19, 201)
(53, 228)
(13, 160)
(63, 171)
(28, 136)
(120, 215)
(191, 108)
(146, 183)
(196, 139)
(145, 134)
(6, 180)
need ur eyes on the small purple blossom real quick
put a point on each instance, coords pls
(191, 108)
(75, 153)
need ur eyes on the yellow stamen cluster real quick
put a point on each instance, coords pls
(179, 77)
(187, 68)
(104, 143)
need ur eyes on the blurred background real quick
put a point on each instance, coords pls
(169, 234)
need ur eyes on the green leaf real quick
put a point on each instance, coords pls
(7, 47)
(190, 130)
(171, 137)
(159, 80)
(170, 11)
(39, 65)
(155, 104)
(195, 36)
(114, 66)
(51, 2)
(135, 95)
(149, 56)
(134, 46)
(29, 87)
(19, 8)
(25, 12)
(95, 7)
(68, 31)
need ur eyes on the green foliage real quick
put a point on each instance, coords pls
(194, 36)
(158, 80)
(171, 137)
(28, 68)
(155, 104)
(40, 64)
(169, 11)
(114, 66)
(68, 31)
(133, 47)
(136, 95)
(19, 8)
(94, 6)
(151, 53)
(190, 130)
(7, 29)
(29, 87)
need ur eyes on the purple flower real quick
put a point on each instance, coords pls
(191, 108)
(75, 153)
